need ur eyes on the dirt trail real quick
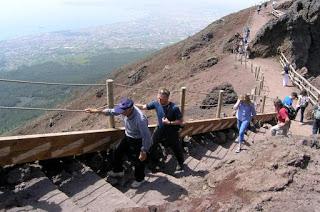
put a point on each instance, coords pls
(272, 69)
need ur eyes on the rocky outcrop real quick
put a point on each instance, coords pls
(232, 43)
(203, 65)
(136, 76)
(296, 33)
(196, 45)
(229, 96)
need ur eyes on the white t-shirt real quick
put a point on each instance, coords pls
(302, 100)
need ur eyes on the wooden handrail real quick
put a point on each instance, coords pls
(300, 81)
(29, 148)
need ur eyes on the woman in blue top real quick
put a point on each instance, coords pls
(245, 113)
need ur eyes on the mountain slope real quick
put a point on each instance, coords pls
(187, 63)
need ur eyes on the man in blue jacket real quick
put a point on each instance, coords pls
(137, 140)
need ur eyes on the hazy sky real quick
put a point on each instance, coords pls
(22, 17)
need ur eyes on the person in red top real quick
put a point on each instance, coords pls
(283, 125)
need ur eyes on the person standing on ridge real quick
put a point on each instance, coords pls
(245, 113)
(169, 122)
(135, 144)
(274, 5)
(258, 8)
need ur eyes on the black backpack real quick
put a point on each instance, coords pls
(291, 112)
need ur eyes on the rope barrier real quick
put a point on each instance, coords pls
(89, 84)
(38, 108)
(77, 110)
(49, 83)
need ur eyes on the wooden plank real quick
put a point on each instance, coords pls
(22, 149)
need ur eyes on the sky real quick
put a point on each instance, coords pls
(25, 17)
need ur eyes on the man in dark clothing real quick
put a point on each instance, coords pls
(135, 144)
(169, 123)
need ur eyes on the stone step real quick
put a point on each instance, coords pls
(37, 194)
(166, 187)
(90, 192)
(209, 153)
(160, 188)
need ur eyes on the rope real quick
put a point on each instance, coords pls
(151, 89)
(87, 84)
(135, 87)
(49, 83)
(38, 108)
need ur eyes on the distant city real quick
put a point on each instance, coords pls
(151, 33)
(142, 24)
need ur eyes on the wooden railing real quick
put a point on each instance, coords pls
(300, 81)
(29, 148)
(277, 13)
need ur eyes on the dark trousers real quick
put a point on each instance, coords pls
(301, 112)
(168, 138)
(131, 148)
(316, 126)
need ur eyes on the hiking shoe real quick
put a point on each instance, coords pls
(238, 150)
(115, 174)
(137, 184)
(179, 168)
(237, 140)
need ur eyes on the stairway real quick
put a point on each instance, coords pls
(76, 187)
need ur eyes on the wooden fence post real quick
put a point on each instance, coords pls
(251, 67)
(220, 102)
(245, 62)
(241, 59)
(260, 87)
(252, 94)
(263, 103)
(258, 73)
(255, 72)
(110, 101)
(182, 99)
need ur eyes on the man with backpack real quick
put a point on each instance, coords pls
(284, 121)
(288, 100)
(169, 123)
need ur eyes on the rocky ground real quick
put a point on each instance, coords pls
(273, 174)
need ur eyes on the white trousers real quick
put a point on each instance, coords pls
(277, 130)
(285, 80)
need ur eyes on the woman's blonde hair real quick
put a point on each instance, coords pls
(245, 98)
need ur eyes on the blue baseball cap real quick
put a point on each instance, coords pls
(124, 104)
